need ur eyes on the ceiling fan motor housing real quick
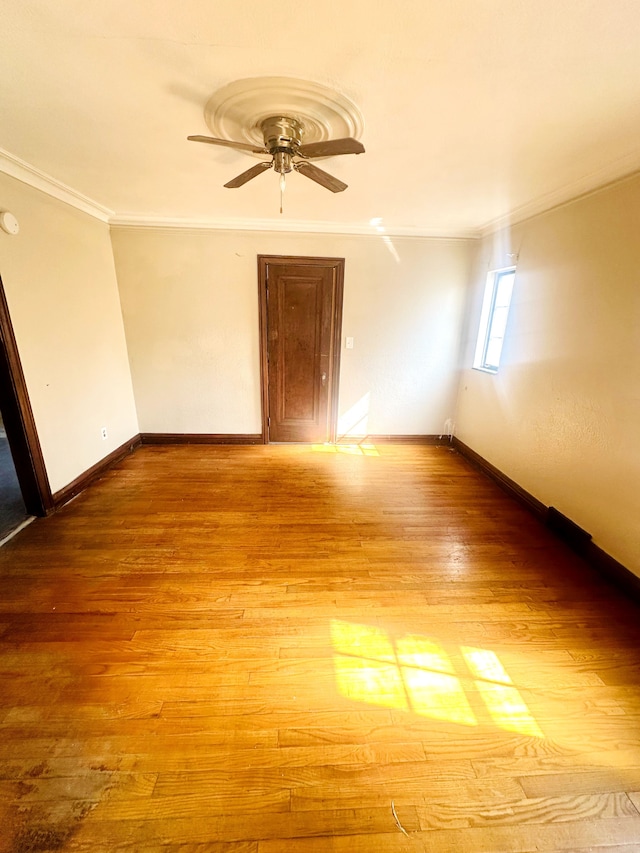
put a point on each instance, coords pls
(282, 137)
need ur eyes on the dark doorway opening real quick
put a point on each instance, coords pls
(13, 511)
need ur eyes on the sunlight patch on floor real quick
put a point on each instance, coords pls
(347, 449)
(371, 681)
(415, 673)
(439, 696)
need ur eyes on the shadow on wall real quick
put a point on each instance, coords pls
(354, 423)
(376, 223)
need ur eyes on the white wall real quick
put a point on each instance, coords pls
(562, 416)
(59, 278)
(190, 304)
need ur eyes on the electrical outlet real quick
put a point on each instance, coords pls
(103, 433)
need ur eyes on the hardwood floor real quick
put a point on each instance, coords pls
(286, 648)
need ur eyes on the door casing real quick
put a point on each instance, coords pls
(19, 421)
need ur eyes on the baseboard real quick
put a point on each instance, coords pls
(200, 438)
(256, 438)
(581, 542)
(614, 571)
(78, 485)
(393, 439)
(510, 486)
(577, 538)
(568, 531)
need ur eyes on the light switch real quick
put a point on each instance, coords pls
(349, 343)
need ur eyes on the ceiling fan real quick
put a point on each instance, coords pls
(283, 141)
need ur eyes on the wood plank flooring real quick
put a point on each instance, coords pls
(288, 648)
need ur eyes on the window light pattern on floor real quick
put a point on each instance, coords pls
(415, 673)
(347, 449)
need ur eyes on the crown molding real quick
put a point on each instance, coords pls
(623, 169)
(28, 174)
(286, 226)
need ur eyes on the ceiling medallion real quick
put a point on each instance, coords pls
(293, 121)
(237, 110)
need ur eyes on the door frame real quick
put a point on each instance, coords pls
(337, 264)
(19, 421)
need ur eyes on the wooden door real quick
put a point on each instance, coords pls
(301, 300)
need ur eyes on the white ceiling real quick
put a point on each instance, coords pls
(473, 109)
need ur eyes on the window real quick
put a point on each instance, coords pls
(493, 320)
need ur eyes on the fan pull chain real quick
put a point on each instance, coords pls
(282, 188)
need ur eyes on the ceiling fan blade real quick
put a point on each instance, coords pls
(228, 143)
(253, 172)
(323, 178)
(331, 148)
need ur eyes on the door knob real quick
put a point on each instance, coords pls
(324, 379)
